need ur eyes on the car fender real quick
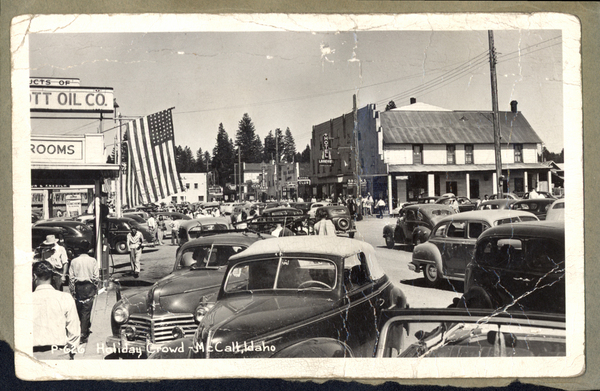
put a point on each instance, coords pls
(427, 253)
(420, 232)
(388, 230)
(397, 299)
(315, 348)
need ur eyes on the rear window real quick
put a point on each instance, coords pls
(539, 254)
(456, 229)
(559, 205)
(441, 212)
(207, 256)
(338, 211)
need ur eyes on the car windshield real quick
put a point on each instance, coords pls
(282, 273)
(207, 256)
(196, 232)
(474, 338)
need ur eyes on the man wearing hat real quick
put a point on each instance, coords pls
(134, 245)
(84, 276)
(57, 256)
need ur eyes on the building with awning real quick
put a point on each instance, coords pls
(422, 150)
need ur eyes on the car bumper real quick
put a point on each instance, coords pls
(413, 267)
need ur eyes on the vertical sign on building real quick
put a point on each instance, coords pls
(326, 151)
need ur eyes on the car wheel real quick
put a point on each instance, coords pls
(120, 247)
(431, 274)
(389, 242)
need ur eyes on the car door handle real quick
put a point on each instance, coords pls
(380, 302)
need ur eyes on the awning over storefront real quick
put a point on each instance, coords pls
(71, 174)
(426, 168)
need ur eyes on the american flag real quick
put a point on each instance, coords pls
(152, 174)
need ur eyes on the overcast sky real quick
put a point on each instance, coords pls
(301, 79)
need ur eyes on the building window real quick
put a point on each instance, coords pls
(518, 153)
(451, 152)
(417, 154)
(200, 198)
(187, 186)
(469, 154)
(196, 186)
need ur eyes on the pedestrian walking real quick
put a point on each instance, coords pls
(152, 225)
(174, 232)
(160, 231)
(56, 254)
(56, 324)
(380, 207)
(324, 225)
(368, 205)
(134, 244)
(84, 276)
(351, 205)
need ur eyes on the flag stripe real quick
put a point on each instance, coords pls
(167, 169)
(173, 171)
(147, 161)
(153, 163)
(140, 172)
(159, 160)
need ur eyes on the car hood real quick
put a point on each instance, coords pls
(250, 317)
(181, 292)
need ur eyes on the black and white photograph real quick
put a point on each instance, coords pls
(293, 196)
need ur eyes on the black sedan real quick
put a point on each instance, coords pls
(77, 235)
(415, 223)
(167, 311)
(309, 296)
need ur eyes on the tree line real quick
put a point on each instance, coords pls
(277, 146)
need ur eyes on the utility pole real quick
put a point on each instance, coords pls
(240, 173)
(356, 150)
(276, 165)
(497, 147)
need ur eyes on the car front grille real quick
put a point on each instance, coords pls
(160, 328)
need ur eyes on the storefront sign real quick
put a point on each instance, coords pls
(66, 99)
(303, 180)
(53, 81)
(215, 190)
(44, 150)
(73, 204)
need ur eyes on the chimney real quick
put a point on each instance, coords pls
(413, 101)
(513, 106)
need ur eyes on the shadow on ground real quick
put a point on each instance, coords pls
(444, 285)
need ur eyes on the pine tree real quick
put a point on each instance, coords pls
(200, 165)
(306, 154)
(269, 147)
(248, 141)
(391, 105)
(289, 146)
(223, 156)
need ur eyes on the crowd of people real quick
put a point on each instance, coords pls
(62, 320)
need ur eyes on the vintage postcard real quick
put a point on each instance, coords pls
(298, 196)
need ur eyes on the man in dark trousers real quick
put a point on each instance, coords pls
(83, 282)
(351, 207)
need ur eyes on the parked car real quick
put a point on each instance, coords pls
(166, 312)
(173, 215)
(496, 204)
(537, 206)
(464, 204)
(340, 216)
(77, 235)
(541, 194)
(452, 332)
(291, 218)
(309, 296)
(303, 206)
(202, 226)
(118, 228)
(506, 196)
(451, 244)
(316, 205)
(414, 224)
(519, 267)
(556, 212)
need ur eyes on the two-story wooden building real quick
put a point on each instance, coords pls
(422, 150)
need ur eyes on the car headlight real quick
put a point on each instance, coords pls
(202, 310)
(121, 314)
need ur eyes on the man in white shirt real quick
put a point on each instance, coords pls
(84, 276)
(57, 256)
(134, 245)
(152, 225)
(56, 326)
